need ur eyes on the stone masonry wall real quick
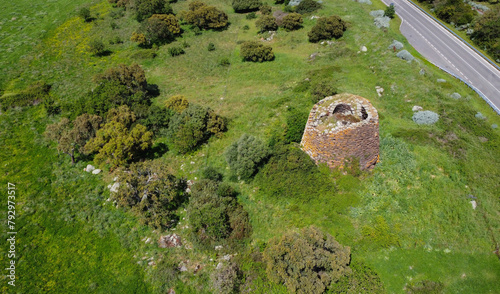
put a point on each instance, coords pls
(340, 127)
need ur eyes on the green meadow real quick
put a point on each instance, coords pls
(409, 219)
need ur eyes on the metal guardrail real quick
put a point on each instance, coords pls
(473, 88)
(497, 110)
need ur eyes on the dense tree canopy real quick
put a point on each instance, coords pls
(158, 29)
(245, 155)
(146, 8)
(487, 32)
(204, 16)
(327, 28)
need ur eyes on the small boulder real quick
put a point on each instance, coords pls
(473, 203)
(114, 187)
(96, 171)
(417, 108)
(89, 168)
(441, 80)
(218, 247)
(364, 49)
(170, 241)
(379, 90)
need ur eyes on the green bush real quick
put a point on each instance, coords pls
(211, 47)
(251, 15)
(390, 11)
(266, 23)
(177, 103)
(278, 178)
(175, 51)
(224, 62)
(205, 17)
(327, 28)
(307, 6)
(306, 262)
(322, 89)
(295, 125)
(362, 280)
(292, 21)
(425, 286)
(97, 48)
(487, 32)
(245, 155)
(241, 6)
(159, 29)
(35, 93)
(84, 13)
(193, 126)
(150, 192)
(256, 52)
(144, 9)
(265, 10)
(214, 217)
(210, 173)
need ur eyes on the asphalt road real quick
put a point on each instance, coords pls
(445, 50)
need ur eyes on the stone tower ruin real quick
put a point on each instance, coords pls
(341, 127)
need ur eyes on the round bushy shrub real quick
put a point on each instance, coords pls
(211, 47)
(266, 23)
(265, 10)
(327, 28)
(97, 48)
(175, 51)
(245, 155)
(205, 17)
(240, 6)
(146, 8)
(177, 103)
(306, 262)
(425, 117)
(256, 52)
(292, 21)
(307, 6)
(251, 15)
(84, 13)
(322, 89)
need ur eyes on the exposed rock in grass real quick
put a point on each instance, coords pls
(479, 115)
(382, 22)
(396, 44)
(456, 96)
(417, 108)
(170, 241)
(364, 2)
(441, 80)
(377, 13)
(405, 55)
(425, 117)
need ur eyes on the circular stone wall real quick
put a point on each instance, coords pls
(341, 127)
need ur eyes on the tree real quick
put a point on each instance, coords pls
(157, 30)
(266, 23)
(72, 136)
(241, 6)
(295, 124)
(84, 13)
(292, 21)
(256, 52)
(177, 103)
(245, 155)
(266, 10)
(205, 17)
(152, 193)
(327, 28)
(487, 32)
(307, 262)
(214, 216)
(146, 8)
(390, 11)
(132, 77)
(114, 143)
(192, 127)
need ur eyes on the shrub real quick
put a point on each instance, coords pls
(246, 27)
(251, 15)
(395, 44)
(205, 17)
(405, 55)
(97, 48)
(192, 127)
(211, 47)
(479, 115)
(177, 103)
(241, 6)
(321, 90)
(327, 28)
(151, 193)
(266, 23)
(288, 8)
(295, 125)
(382, 22)
(154, 118)
(425, 117)
(306, 262)
(256, 52)
(292, 21)
(363, 279)
(214, 217)
(210, 173)
(226, 279)
(84, 13)
(117, 13)
(224, 62)
(175, 51)
(35, 93)
(390, 12)
(245, 155)
(377, 13)
(157, 30)
(146, 8)
(307, 6)
(265, 10)
(425, 286)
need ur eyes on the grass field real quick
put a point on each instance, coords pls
(410, 218)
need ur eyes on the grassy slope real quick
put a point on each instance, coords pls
(423, 201)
